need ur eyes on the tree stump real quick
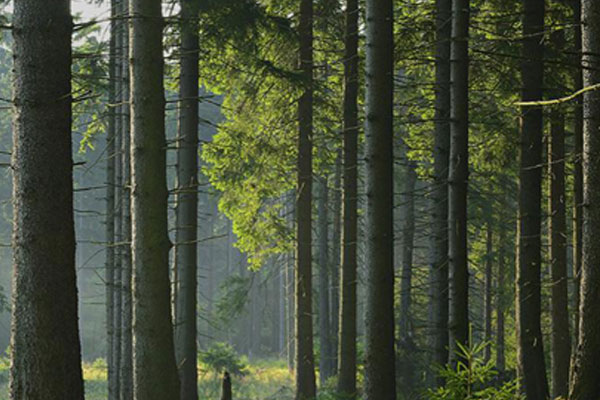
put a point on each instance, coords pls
(226, 393)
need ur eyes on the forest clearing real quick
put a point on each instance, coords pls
(300, 199)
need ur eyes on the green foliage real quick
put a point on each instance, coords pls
(473, 379)
(233, 297)
(221, 357)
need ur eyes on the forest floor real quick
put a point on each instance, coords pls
(264, 380)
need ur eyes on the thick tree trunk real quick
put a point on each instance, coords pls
(45, 349)
(487, 307)
(561, 341)
(305, 364)
(586, 374)
(110, 206)
(347, 328)
(528, 295)
(439, 195)
(380, 355)
(155, 372)
(326, 355)
(458, 175)
(187, 204)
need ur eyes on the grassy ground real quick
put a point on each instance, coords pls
(265, 380)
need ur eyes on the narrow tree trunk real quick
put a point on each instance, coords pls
(586, 374)
(406, 341)
(126, 373)
(45, 348)
(458, 175)
(528, 295)
(110, 205)
(347, 322)
(500, 303)
(187, 204)
(155, 372)
(305, 364)
(439, 196)
(577, 171)
(336, 258)
(325, 357)
(561, 341)
(487, 317)
(380, 355)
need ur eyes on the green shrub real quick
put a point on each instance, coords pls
(221, 357)
(473, 379)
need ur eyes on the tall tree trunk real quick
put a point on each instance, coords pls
(439, 196)
(326, 355)
(577, 171)
(500, 303)
(528, 295)
(458, 175)
(110, 206)
(347, 328)
(336, 258)
(187, 204)
(406, 342)
(586, 374)
(305, 364)
(561, 341)
(45, 348)
(487, 317)
(155, 372)
(126, 373)
(380, 355)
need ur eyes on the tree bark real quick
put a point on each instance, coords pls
(458, 175)
(379, 320)
(187, 204)
(110, 205)
(45, 348)
(528, 295)
(126, 373)
(325, 357)
(347, 328)
(336, 258)
(439, 196)
(500, 303)
(561, 341)
(586, 374)
(155, 372)
(305, 365)
(487, 317)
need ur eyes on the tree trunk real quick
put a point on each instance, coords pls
(528, 296)
(500, 303)
(439, 196)
(577, 171)
(305, 364)
(110, 206)
(336, 258)
(406, 342)
(458, 175)
(380, 355)
(487, 317)
(586, 374)
(561, 341)
(226, 387)
(325, 357)
(347, 323)
(126, 373)
(45, 349)
(187, 204)
(155, 372)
